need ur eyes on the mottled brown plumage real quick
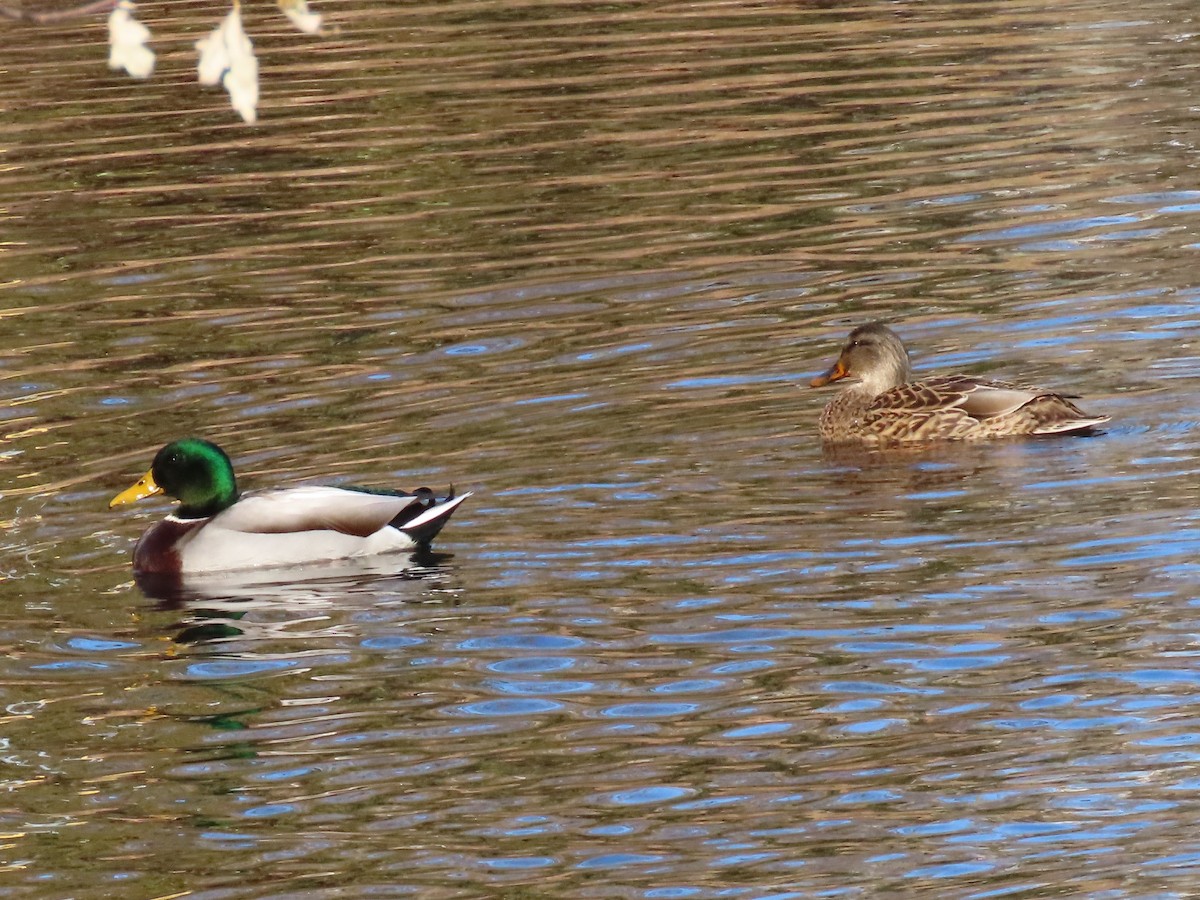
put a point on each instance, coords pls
(883, 404)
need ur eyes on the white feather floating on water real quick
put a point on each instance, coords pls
(301, 16)
(227, 56)
(127, 39)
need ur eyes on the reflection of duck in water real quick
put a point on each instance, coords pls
(217, 529)
(885, 405)
(296, 602)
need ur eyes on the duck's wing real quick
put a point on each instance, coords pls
(318, 508)
(976, 397)
(959, 405)
(985, 398)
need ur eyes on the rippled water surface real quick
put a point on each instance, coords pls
(582, 259)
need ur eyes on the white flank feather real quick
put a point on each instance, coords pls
(215, 548)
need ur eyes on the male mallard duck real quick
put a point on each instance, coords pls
(885, 405)
(215, 528)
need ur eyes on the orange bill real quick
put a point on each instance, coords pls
(836, 373)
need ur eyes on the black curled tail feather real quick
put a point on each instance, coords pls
(425, 517)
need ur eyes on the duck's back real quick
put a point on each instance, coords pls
(952, 407)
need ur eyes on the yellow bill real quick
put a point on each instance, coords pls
(145, 487)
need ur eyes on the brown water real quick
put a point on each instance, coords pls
(581, 259)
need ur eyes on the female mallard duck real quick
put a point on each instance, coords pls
(215, 528)
(885, 405)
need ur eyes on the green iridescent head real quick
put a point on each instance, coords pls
(195, 472)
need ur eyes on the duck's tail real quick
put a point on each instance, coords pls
(1068, 426)
(424, 526)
